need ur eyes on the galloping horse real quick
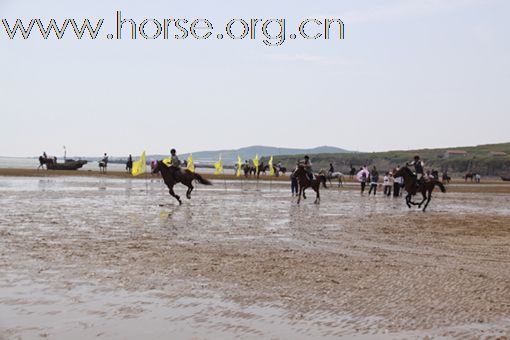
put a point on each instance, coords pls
(185, 177)
(425, 188)
(304, 183)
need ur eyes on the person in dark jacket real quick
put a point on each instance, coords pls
(374, 179)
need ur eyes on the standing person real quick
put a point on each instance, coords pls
(374, 179)
(129, 164)
(363, 181)
(397, 184)
(386, 184)
(391, 184)
(294, 181)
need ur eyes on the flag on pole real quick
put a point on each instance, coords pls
(218, 166)
(239, 166)
(140, 166)
(190, 164)
(271, 168)
(256, 164)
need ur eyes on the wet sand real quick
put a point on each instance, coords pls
(490, 185)
(117, 258)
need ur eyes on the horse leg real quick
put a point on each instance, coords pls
(299, 194)
(428, 201)
(304, 195)
(172, 193)
(188, 193)
(424, 194)
(318, 197)
(408, 200)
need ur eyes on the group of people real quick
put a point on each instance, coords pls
(392, 185)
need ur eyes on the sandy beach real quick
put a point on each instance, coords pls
(104, 257)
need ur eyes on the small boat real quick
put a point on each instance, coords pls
(505, 178)
(69, 164)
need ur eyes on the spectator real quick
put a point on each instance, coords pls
(294, 181)
(363, 182)
(387, 184)
(398, 184)
(374, 179)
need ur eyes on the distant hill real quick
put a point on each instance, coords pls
(247, 153)
(488, 160)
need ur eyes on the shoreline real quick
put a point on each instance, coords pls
(458, 186)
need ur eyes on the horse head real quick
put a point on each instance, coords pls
(156, 166)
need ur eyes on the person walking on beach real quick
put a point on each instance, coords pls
(397, 184)
(129, 164)
(363, 182)
(387, 182)
(294, 181)
(374, 179)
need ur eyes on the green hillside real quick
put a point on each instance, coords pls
(476, 159)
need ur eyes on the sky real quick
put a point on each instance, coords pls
(409, 74)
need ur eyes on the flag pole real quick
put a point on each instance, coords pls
(146, 180)
(224, 179)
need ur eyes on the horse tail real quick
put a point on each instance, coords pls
(201, 180)
(441, 186)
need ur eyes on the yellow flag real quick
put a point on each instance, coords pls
(167, 161)
(256, 164)
(239, 166)
(271, 168)
(140, 166)
(191, 165)
(218, 166)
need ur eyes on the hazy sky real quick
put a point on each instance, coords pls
(409, 74)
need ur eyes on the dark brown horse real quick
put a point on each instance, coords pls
(45, 161)
(304, 183)
(185, 177)
(469, 175)
(425, 188)
(446, 178)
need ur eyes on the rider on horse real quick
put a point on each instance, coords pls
(175, 165)
(331, 169)
(418, 170)
(308, 167)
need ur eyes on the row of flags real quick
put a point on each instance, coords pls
(140, 166)
(219, 165)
